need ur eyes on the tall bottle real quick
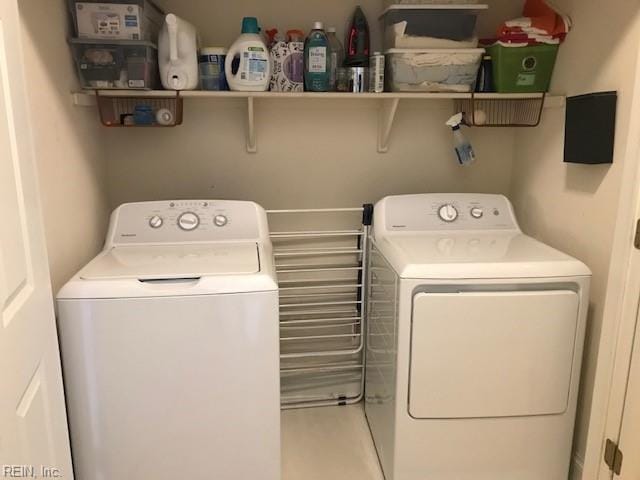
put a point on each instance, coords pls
(358, 43)
(336, 57)
(250, 54)
(316, 60)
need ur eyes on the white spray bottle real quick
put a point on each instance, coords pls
(462, 147)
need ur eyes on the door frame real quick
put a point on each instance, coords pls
(620, 309)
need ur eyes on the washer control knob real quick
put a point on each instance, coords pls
(156, 221)
(477, 212)
(220, 220)
(188, 221)
(448, 213)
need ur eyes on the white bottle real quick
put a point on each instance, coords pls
(178, 54)
(253, 60)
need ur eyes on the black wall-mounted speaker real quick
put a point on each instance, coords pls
(590, 128)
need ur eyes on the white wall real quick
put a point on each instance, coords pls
(68, 143)
(573, 207)
(312, 153)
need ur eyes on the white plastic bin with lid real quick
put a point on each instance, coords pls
(453, 22)
(441, 70)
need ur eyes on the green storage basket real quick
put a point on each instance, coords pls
(525, 69)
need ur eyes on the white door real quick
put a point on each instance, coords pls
(630, 433)
(33, 428)
(512, 352)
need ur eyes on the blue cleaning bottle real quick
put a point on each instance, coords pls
(462, 146)
(317, 67)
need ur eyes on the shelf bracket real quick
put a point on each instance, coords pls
(385, 122)
(252, 146)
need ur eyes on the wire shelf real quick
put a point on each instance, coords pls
(320, 257)
(501, 112)
(121, 111)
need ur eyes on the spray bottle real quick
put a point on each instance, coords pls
(462, 147)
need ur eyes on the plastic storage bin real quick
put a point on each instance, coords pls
(526, 69)
(117, 19)
(124, 64)
(450, 22)
(447, 70)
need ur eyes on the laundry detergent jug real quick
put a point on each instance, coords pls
(178, 54)
(248, 64)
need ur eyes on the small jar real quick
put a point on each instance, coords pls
(211, 66)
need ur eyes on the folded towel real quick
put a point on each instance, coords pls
(396, 36)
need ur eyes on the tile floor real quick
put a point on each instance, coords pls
(328, 443)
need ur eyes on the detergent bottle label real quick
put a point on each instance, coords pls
(317, 59)
(254, 65)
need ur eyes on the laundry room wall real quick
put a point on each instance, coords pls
(68, 143)
(311, 153)
(573, 207)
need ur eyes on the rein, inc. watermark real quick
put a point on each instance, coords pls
(29, 471)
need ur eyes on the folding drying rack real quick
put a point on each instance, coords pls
(321, 257)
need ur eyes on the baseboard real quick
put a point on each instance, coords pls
(577, 467)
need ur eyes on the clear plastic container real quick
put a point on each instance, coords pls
(445, 70)
(450, 22)
(116, 19)
(124, 64)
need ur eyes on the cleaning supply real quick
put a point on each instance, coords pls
(316, 60)
(376, 73)
(254, 65)
(178, 54)
(295, 68)
(211, 66)
(287, 58)
(272, 33)
(358, 43)
(336, 54)
(462, 147)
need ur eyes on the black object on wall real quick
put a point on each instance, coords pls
(590, 128)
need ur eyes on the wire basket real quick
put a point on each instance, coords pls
(132, 111)
(516, 111)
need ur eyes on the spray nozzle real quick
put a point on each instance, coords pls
(455, 121)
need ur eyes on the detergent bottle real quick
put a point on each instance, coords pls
(251, 56)
(178, 54)
(317, 60)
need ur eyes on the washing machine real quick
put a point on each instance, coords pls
(170, 346)
(474, 342)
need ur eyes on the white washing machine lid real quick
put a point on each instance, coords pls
(163, 262)
(476, 255)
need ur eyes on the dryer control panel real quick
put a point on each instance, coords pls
(445, 212)
(180, 221)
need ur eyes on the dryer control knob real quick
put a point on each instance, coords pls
(220, 220)
(477, 212)
(188, 221)
(156, 221)
(448, 213)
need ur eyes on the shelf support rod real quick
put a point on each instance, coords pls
(252, 146)
(385, 122)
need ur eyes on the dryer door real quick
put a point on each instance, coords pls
(492, 354)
